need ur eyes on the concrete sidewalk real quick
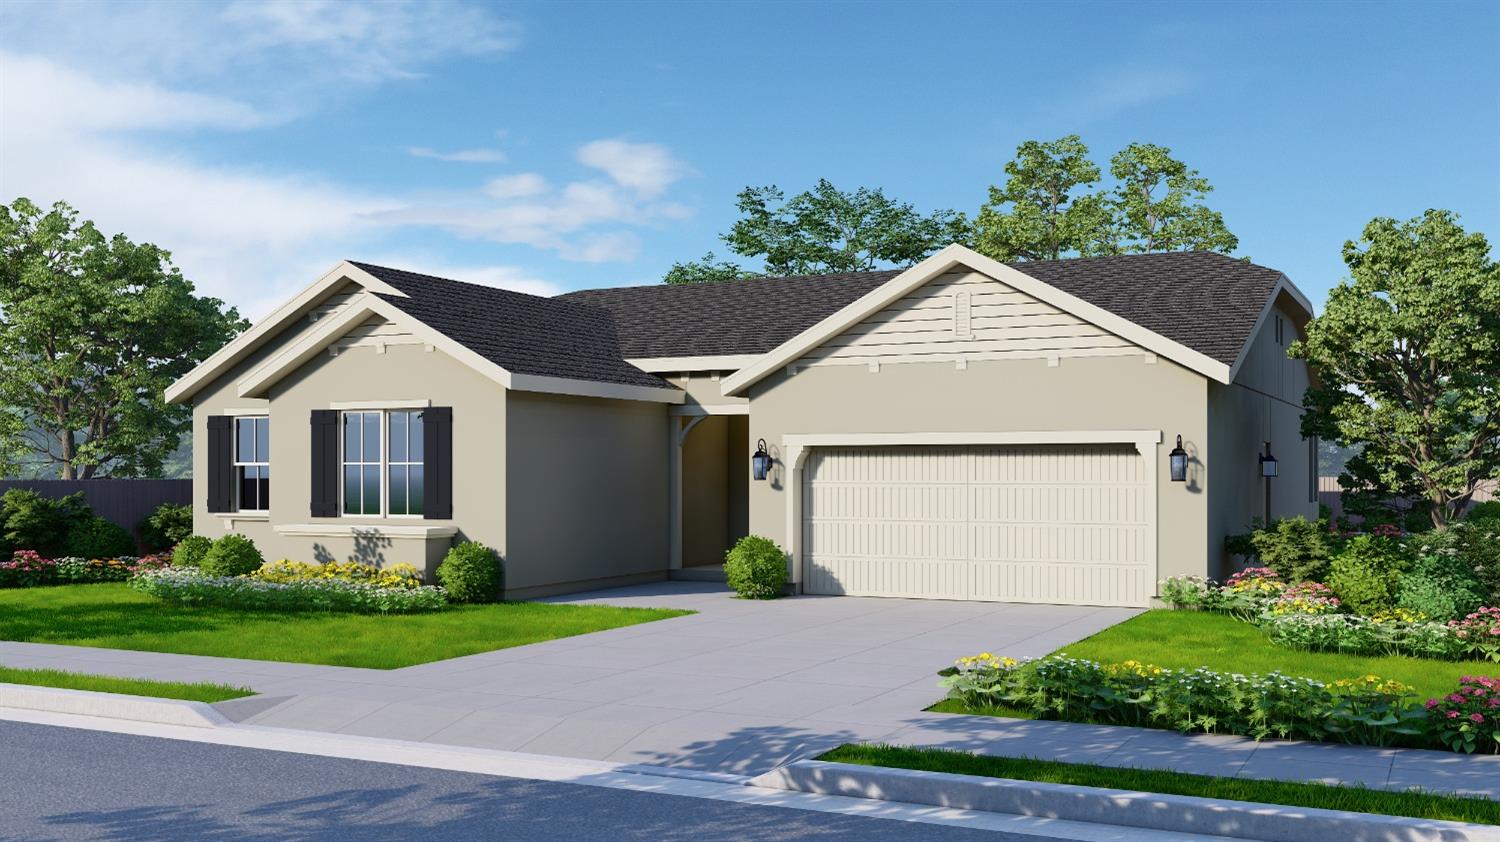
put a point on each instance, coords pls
(743, 687)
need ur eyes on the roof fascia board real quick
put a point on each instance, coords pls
(1284, 285)
(258, 382)
(725, 362)
(943, 262)
(264, 330)
(594, 389)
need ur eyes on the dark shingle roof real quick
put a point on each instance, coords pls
(734, 317)
(1205, 301)
(524, 334)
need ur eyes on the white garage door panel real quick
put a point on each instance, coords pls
(1057, 523)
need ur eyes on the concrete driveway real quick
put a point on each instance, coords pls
(738, 687)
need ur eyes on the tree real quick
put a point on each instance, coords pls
(12, 446)
(1039, 214)
(92, 330)
(1407, 352)
(706, 271)
(828, 230)
(1156, 206)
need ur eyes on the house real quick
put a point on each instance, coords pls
(962, 429)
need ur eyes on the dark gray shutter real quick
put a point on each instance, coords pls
(325, 463)
(220, 463)
(437, 447)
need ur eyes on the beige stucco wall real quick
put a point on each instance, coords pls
(402, 373)
(715, 473)
(1084, 393)
(588, 500)
(1263, 404)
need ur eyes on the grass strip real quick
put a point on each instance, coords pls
(194, 692)
(1414, 804)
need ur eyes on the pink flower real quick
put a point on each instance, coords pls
(1476, 717)
(1452, 714)
(1432, 703)
(1455, 698)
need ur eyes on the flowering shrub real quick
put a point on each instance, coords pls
(1261, 580)
(191, 586)
(1305, 598)
(27, 569)
(1353, 635)
(1365, 710)
(1480, 632)
(395, 576)
(1468, 719)
(1190, 592)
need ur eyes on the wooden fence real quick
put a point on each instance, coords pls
(1329, 494)
(124, 501)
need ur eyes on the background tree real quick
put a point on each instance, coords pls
(92, 330)
(12, 446)
(1408, 356)
(828, 230)
(1046, 209)
(709, 270)
(1156, 205)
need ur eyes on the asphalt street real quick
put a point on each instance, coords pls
(70, 784)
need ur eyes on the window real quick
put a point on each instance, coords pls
(1312, 470)
(252, 464)
(383, 463)
(1280, 331)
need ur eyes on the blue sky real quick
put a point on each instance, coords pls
(559, 146)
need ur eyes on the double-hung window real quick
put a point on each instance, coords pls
(252, 464)
(382, 462)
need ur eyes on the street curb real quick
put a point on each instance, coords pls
(1153, 811)
(111, 705)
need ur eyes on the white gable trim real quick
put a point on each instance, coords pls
(257, 383)
(938, 265)
(726, 362)
(1282, 286)
(267, 328)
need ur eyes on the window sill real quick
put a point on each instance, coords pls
(342, 530)
(230, 518)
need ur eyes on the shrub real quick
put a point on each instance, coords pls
(1441, 587)
(1364, 710)
(471, 572)
(1489, 510)
(190, 551)
(190, 586)
(95, 537)
(1305, 598)
(165, 527)
(1394, 634)
(27, 569)
(119, 569)
(1296, 548)
(1190, 593)
(1480, 631)
(29, 521)
(1466, 719)
(1367, 573)
(395, 576)
(755, 568)
(232, 555)
(1474, 544)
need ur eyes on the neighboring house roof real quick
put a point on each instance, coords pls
(524, 334)
(731, 318)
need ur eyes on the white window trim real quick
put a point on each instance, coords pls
(384, 465)
(236, 464)
(380, 405)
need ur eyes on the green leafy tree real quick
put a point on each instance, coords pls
(92, 330)
(709, 270)
(1045, 210)
(1408, 357)
(1156, 205)
(828, 230)
(12, 445)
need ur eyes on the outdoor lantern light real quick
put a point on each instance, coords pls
(1178, 456)
(1268, 463)
(760, 463)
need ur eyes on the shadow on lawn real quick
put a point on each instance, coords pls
(108, 617)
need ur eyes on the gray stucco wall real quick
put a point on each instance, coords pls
(588, 501)
(1080, 393)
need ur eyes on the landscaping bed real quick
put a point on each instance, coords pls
(190, 691)
(116, 617)
(1410, 804)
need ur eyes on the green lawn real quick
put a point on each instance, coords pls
(1412, 804)
(116, 617)
(131, 686)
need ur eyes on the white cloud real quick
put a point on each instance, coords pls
(516, 186)
(462, 156)
(645, 168)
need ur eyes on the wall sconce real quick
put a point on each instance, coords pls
(760, 463)
(1179, 459)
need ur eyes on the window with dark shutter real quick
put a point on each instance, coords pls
(324, 469)
(220, 463)
(437, 442)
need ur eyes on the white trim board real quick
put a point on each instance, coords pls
(728, 362)
(421, 403)
(711, 409)
(941, 263)
(348, 530)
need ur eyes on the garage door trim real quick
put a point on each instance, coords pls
(796, 447)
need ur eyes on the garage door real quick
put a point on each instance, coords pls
(1056, 523)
